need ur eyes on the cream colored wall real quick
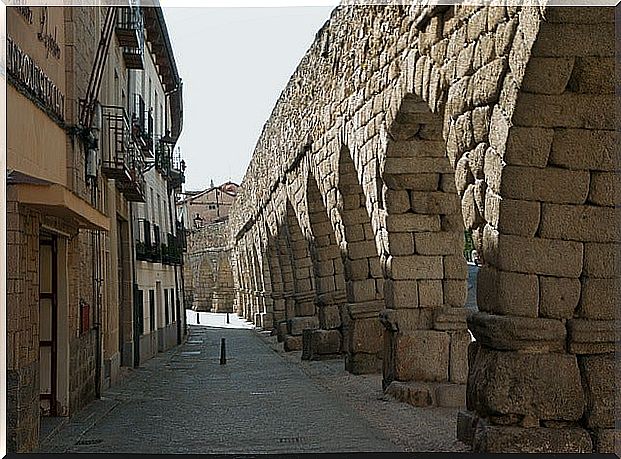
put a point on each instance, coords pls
(111, 306)
(201, 206)
(149, 274)
(41, 153)
(110, 94)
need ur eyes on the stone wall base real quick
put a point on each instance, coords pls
(112, 366)
(281, 330)
(127, 354)
(512, 439)
(485, 437)
(167, 337)
(293, 343)
(267, 321)
(321, 344)
(423, 394)
(362, 363)
(23, 402)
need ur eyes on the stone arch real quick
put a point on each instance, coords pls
(246, 280)
(285, 261)
(549, 241)
(364, 281)
(256, 282)
(239, 282)
(503, 126)
(329, 278)
(274, 280)
(189, 270)
(204, 285)
(304, 313)
(264, 279)
(223, 291)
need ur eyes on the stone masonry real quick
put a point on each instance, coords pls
(207, 271)
(401, 127)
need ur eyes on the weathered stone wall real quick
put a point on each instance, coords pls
(208, 273)
(415, 122)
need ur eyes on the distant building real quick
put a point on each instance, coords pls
(199, 208)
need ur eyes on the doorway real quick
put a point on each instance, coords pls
(48, 325)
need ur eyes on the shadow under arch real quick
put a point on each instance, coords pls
(298, 280)
(329, 279)
(363, 332)
(204, 283)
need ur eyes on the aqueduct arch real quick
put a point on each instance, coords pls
(329, 279)
(502, 115)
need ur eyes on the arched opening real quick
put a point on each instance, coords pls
(204, 285)
(329, 280)
(223, 291)
(277, 285)
(246, 281)
(285, 261)
(256, 276)
(190, 267)
(363, 333)
(301, 313)
(266, 304)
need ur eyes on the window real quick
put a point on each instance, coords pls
(212, 207)
(152, 208)
(151, 310)
(166, 313)
(139, 300)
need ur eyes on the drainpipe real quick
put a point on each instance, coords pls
(96, 263)
(132, 251)
(177, 303)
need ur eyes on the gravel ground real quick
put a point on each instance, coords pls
(412, 428)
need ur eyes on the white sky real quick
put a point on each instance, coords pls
(234, 63)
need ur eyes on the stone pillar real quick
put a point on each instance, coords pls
(327, 341)
(304, 318)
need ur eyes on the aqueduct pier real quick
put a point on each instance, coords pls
(401, 127)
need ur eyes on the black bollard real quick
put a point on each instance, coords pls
(227, 318)
(198, 318)
(223, 352)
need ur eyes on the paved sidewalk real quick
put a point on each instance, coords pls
(414, 429)
(184, 401)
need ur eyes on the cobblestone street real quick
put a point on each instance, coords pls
(184, 401)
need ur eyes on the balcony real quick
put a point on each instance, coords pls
(169, 163)
(142, 126)
(121, 160)
(130, 33)
(172, 253)
(148, 244)
(181, 234)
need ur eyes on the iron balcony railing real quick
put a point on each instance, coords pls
(130, 33)
(149, 246)
(172, 252)
(142, 125)
(181, 234)
(169, 164)
(121, 159)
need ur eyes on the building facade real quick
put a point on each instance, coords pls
(75, 166)
(208, 276)
(200, 208)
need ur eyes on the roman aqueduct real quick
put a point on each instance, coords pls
(402, 127)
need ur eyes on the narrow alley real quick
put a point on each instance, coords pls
(260, 401)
